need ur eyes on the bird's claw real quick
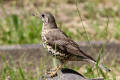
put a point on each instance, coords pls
(54, 71)
(52, 74)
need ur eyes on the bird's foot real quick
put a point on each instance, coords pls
(53, 72)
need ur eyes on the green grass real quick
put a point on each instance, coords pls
(15, 30)
(16, 71)
(26, 29)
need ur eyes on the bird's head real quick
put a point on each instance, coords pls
(46, 17)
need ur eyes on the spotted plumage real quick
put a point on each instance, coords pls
(60, 45)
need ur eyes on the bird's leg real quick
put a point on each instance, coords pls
(53, 73)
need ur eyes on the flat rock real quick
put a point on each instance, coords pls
(67, 74)
(35, 54)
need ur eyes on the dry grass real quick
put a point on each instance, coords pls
(99, 17)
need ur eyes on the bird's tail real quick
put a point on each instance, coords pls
(90, 59)
(99, 65)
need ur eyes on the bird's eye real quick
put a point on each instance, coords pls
(43, 15)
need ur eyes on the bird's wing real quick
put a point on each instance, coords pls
(59, 40)
(62, 42)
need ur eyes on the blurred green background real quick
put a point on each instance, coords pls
(100, 19)
(82, 20)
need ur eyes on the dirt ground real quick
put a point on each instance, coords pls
(92, 14)
(66, 13)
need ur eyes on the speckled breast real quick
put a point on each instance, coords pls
(56, 53)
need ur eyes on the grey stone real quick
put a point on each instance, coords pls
(67, 74)
(34, 52)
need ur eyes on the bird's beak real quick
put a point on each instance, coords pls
(37, 15)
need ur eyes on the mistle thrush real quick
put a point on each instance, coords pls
(60, 45)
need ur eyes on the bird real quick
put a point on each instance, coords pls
(59, 45)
